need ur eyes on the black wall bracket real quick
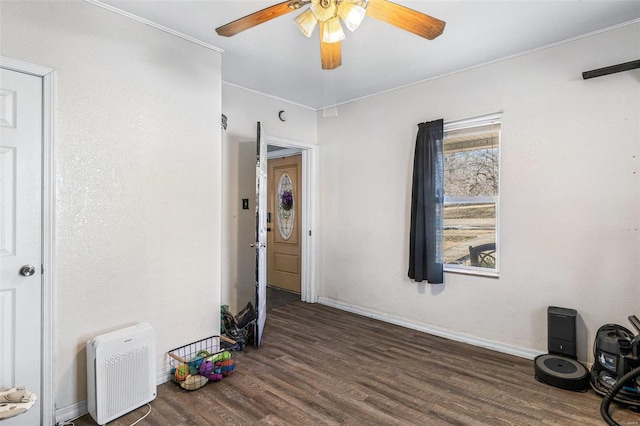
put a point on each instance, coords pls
(611, 70)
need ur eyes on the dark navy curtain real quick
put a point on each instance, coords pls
(425, 238)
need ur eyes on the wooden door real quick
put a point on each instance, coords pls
(283, 244)
(21, 236)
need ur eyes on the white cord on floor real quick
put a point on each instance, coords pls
(141, 418)
(70, 423)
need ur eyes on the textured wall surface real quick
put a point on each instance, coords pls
(570, 204)
(138, 169)
(140, 166)
(244, 109)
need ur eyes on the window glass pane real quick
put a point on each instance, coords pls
(471, 192)
(471, 165)
(470, 234)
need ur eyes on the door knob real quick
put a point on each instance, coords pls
(27, 270)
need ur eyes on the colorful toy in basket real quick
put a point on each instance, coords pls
(226, 367)
(221, 356)
(194, 382)
(214, 357)
(207, 369)
(215, 377)
(182, 372)
(194, 365)
(195, 362)
(205, 366)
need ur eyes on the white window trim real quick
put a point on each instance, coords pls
(471, 200)
(470, 123)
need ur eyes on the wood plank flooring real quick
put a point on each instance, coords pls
(323, 366)
(277, 297)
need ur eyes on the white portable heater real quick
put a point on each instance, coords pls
(120, 372)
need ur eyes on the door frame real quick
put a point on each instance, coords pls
(308, 244)
(47, 375)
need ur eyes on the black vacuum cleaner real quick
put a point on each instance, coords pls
(615, 373)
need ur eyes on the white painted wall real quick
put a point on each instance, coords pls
(244, 109)
(570, 197)
(138, 169)
(140, 164)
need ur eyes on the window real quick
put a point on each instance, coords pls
(471, 195)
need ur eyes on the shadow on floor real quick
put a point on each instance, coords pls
(278, 297)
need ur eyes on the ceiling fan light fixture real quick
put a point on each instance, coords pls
(329, 14)
(332, 31)
(306, 22)
(324, 10)
(352, 15)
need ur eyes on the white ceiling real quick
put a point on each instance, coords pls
(274, 58)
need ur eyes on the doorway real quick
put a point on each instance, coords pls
(284, 211)
(300, 264)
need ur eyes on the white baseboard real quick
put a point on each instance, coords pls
(430, 329)
(71, 412)
(162, 376)
(81, 408)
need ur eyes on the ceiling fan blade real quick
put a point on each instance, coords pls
(257, 18)
(330, 53)
(408, 19)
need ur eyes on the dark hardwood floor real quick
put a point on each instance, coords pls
(323, 366)
(277, 297)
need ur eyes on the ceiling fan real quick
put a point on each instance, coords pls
(326, 14)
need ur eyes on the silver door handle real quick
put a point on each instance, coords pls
(27, 270)
(258, 245)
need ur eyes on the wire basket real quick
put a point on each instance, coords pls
(186, 353)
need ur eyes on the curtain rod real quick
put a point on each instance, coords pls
(611, 70)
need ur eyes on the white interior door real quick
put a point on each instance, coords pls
(261, 233)
(21, 236)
